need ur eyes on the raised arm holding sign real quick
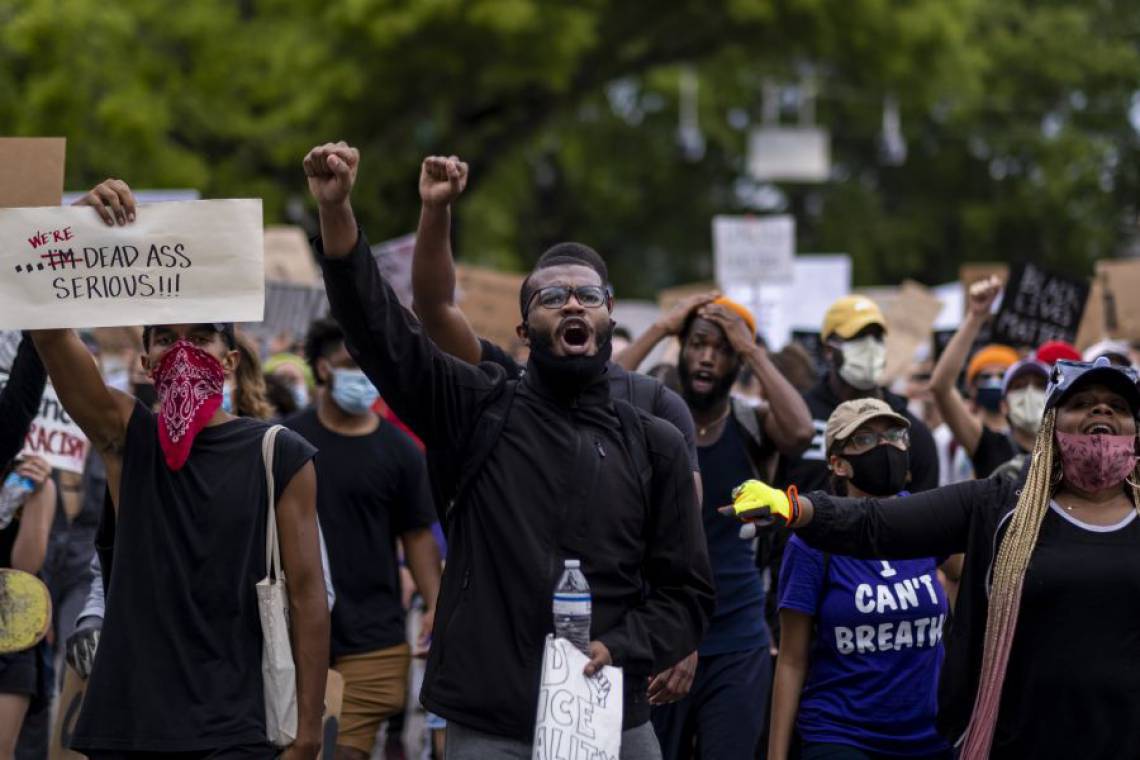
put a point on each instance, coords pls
(187, 484)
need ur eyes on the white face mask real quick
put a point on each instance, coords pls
(864, 361)
(1026, 408)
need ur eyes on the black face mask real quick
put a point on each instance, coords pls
(989, 398)
(882, 471)
(568, 376)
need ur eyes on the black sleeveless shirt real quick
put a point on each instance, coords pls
(179, 660)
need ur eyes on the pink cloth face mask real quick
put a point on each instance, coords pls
(189, 384)
(1096, 462)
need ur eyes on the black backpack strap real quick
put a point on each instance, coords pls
(482, 441)
(633, 435)
(643, 391)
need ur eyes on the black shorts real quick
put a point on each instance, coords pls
(19, 673)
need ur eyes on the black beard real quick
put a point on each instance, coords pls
(704, 402)
(568, 376)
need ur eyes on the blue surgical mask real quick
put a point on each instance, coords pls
(353, 392)
(300, 395)
(228, 399)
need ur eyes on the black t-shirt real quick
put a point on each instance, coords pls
(994, 450)
(664, 403)
(1072, 687)
(8, 541)
(179, 665)
(371, 488)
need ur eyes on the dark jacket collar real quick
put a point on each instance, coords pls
(595, 393)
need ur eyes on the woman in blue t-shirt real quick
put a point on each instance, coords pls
(861, 640)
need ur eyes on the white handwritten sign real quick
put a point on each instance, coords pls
(578, 717)
(53, 435)
(191, 261)
(750, 250)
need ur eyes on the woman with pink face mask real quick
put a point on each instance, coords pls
(1043, 656)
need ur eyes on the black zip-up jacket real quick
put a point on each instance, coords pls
(20, 399)
(557, 484)
(1072, 687)
(808, 472)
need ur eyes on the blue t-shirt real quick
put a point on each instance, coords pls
(738, 621)
(872, 681)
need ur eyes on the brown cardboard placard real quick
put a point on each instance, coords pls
(288, 256)
(910, 313)
(490, 301)
(667, 298)
(31, 171)
(1120, 281)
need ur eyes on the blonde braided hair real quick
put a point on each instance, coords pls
(1008, 577)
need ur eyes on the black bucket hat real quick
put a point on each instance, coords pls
(1069, 376)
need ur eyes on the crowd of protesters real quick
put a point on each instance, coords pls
(954, 582)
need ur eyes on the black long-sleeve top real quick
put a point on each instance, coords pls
(558, 483)
(1072, 686)
(20, 399)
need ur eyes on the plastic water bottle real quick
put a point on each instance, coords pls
(12, 496)
(572, 607)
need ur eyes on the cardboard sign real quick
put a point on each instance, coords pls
(288, 257)
(1039, 306)
(577, 716)
(53, 435)
(820, 280)
(490, 301)
(910, 319)
(1120, 281)
(196, 261)
(31, 171)
(754, 249)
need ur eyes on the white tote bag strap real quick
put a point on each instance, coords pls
(272, 545)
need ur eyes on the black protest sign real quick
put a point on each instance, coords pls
(1039, 306)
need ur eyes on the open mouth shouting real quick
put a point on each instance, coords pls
(574, 336)
(702, 381)
(1098, 427)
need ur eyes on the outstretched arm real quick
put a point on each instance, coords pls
(966, 427)
(442, 180)
(669, 325)
(435, 394)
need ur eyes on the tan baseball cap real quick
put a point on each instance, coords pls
(850, 415)
(849, 315)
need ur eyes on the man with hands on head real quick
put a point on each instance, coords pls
(736, 441)
(179, 665)
(528, 472)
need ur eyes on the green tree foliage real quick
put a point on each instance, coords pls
(1015, 115)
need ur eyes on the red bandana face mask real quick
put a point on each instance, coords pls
(189, 383)
(1096, 462)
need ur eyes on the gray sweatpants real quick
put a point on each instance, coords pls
(464, 743)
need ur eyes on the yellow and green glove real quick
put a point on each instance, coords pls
(758, 502)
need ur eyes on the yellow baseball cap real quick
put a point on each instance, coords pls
(850, 314)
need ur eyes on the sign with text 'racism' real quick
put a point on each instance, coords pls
(180, 262)
(53, 435)
(1039, 306)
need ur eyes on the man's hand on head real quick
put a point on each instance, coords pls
(442, 180)
(735, 328)
(674, 321)
(331, 171)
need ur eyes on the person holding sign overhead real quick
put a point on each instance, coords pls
(1043, 658)
(179, 663)
(528, 473)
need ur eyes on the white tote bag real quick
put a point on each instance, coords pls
(278, 672)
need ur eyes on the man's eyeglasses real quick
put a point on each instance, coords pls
(861, 442)
(557, 296)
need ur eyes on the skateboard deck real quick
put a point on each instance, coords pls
(25, 610)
